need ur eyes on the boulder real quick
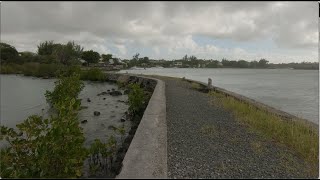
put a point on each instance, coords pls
(88, 100)
(104, 98)
(84, 121)
(96, 113)
(115, 93)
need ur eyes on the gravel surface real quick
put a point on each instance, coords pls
(205, 141)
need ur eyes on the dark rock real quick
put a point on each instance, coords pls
(115, 93)
(112, 89)
(117, 106)
(96, 113)
(122, 119)
(108, 90)
(84, 121)
(102, 93)
(83, 107)
(104, 98)
(88, 100)
(20, 134)
(121, 101)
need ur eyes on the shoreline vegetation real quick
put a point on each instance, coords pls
(54, 147)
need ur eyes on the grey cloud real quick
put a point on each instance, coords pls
(291, 25)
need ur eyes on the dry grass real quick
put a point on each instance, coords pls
(298, 135)
(195, 86)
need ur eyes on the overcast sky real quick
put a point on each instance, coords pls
(277, 31)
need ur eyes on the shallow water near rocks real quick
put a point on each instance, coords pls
(24, 96)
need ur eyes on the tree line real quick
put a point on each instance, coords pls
(49, 52)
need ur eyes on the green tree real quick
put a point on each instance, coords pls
(185, 58)
(27, 56)
(106, 57)
(91, 56)
(46, 48)
(243, 64)
(263, 63)
(68, 54)
(136, 56)
(225, 62)
(8, 53)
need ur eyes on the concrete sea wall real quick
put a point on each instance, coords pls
(147, 154)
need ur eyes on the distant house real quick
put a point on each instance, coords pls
(178, 64)
(111, 61)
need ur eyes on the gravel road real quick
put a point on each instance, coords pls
(205, 141)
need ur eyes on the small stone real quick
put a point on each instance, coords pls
(88, 100)
(96, 113)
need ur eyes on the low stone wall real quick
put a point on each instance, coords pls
(283, 115)
(147, 153)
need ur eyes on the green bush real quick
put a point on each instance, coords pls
(136, 98)
(93, 74)
(48, 147)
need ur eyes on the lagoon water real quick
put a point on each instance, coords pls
(292, 91)
(24, 96)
